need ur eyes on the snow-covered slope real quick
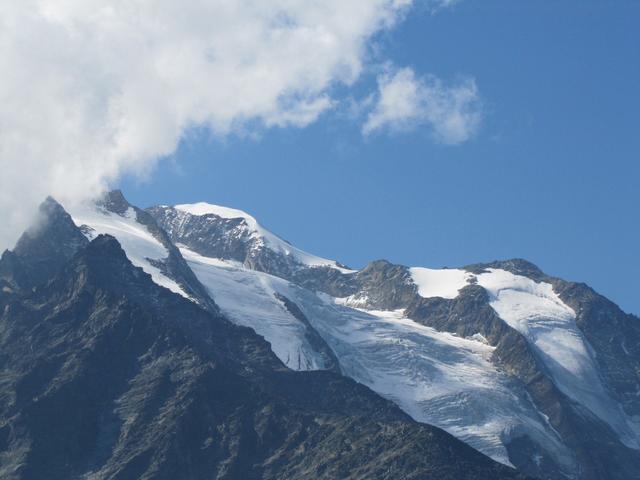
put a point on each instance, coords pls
(141, 247)
(549, 325)
(444, 283)
(248, 298)
(436, 377)
(389, 327)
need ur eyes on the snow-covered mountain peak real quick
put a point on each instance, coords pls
(146, 244)
(244, 235)
(204, 208)
(529, 369)
(537, 312)
(257, 231)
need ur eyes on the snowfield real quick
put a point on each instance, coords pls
(444, 283)
(538, 313)
(435, 377)
(248, 298)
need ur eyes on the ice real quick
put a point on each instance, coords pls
(248, 298)
(437, 378)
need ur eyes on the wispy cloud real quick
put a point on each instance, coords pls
(405, 102)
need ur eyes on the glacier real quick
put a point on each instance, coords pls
(436, 377)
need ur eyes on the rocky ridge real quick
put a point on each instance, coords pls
(106, 374)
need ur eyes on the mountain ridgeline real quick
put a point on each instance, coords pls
(190, 342)
(569, 357)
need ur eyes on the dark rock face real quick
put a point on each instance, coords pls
(174, 266)
(613, 334)
(44, 248)
(517, 266)
(384, 286)
(107, 375)
(233, 239)
(467, 314)
(13, 274)
(208, 235)
(327, 280)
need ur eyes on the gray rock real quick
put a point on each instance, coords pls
(107, 375)
(174, 266)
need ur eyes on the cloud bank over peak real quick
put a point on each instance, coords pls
(404, 102)
(92, 89)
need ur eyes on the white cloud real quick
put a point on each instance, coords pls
(405, 102)
(91, 89)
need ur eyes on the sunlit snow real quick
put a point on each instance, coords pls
(435, 377)
(444, 283)
(539, 314)
(248, 298)
(137, 242)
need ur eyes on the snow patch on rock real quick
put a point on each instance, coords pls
(444, 283)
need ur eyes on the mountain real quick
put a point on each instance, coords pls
(147, 245)
(534, 371)
(42, 249)
(113, 367)
(232, 235)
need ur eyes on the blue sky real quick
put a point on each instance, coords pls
(552, 174)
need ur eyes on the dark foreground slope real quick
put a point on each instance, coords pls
(104, 374)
